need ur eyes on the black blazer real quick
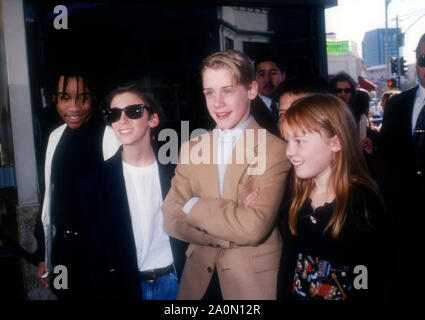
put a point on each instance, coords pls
(114, 261)
(264, 117)
(395, 143)
(397, 126)
(400, 185)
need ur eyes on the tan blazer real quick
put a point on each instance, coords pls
(242, 243)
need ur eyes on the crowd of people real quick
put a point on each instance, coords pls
(324, 219)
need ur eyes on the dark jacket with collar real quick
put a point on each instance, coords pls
(401, 186)
(114, 261)
(397, 126)
(264, 117)
(395, 143)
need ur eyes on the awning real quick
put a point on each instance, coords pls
(366, 84)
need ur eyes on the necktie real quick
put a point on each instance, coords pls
(275, 111)
(419, 139)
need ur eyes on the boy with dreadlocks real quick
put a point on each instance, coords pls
(73, 149)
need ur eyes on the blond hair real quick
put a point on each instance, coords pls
(237, 63)
(326, 113)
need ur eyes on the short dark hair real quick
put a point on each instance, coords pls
(389, 93)
(269, 57)
(344, 77)
(418, 48)
(302, 84)
(361, 104)
(143, 93)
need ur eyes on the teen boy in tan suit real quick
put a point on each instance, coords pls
(235, 246)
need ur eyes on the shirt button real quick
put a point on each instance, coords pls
(209, 269)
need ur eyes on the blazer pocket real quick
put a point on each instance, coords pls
(265, 261)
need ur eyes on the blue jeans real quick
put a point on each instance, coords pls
(163, 288)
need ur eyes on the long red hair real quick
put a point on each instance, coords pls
(326, 113)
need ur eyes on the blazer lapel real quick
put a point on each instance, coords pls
(410, 104)
(117, 209)
(240, 160)
(208, 170)
(166, 173)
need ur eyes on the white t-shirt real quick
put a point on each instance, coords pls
(144, 200)
(363, 124)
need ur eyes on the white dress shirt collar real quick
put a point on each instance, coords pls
(267, 101)
(417, 106)
(235, 132)
(421, 93)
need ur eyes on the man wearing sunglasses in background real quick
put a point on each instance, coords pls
(133, 257)
(344, 87)
(402, 147)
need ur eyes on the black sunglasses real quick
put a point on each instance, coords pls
(339, 90)
(421, 61)
(134, 111)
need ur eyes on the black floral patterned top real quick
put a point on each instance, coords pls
(315, 266)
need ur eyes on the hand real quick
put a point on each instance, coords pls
(251, 197)
(367, 145)
(374, 127)
(41, 270)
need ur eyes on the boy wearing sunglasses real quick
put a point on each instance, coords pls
(401, 145)
(137, 259)
(234, 249)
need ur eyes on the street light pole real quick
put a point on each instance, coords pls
(387, 71)
(398, 56)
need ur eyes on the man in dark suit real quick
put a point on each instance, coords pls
(401, 147)
(269, 74)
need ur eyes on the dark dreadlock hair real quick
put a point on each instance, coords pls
(70, 71)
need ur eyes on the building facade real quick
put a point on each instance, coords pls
(373, 46)
(343, 56)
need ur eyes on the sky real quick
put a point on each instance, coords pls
(351, 19)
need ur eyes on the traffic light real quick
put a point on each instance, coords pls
(403, 68)
(392, 83)
(394, 65)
